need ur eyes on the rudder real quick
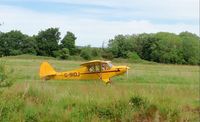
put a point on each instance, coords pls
(46, 70)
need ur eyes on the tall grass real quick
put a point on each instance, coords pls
(5, 75)
(153, 92)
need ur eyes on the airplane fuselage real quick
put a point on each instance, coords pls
(83, 74)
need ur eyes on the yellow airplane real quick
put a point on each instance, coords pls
(92, 70)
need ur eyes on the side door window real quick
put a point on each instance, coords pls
(98, 67)
(91, 68)
(105, 67)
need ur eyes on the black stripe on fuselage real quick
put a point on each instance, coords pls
(101, 72)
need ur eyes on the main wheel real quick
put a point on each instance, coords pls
(109, 82)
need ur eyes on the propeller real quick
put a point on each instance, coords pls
(127, 68)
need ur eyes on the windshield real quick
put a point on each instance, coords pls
(110, 65)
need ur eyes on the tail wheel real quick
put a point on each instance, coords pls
(47, 78)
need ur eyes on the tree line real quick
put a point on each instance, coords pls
(162, 47)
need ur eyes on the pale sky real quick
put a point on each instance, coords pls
(97, 21)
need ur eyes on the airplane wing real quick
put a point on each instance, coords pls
(93, 62)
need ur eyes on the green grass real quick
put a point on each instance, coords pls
(152, 92)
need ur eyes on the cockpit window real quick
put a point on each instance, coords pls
(99, 67)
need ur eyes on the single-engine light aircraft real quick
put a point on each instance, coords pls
(92, 70)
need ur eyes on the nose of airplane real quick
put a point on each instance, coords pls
(122, 69)
(127, 67)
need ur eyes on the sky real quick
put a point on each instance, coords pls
(96, 21)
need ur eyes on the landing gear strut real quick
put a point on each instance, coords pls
(109, 82)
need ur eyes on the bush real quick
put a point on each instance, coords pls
(5, 79)
(133, 56)
(86, 53)
(62, 54)
(107, 55)
(75, 57)
(138, 102)
(194, 61)
(15, 52)
(105, 113)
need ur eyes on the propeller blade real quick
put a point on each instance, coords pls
(127, 71)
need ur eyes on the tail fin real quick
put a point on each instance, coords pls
(46, 70)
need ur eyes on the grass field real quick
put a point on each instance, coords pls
(152, 92)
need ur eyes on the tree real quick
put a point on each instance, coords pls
(47, 41)
(120, 46)
(69, 42)
(11, 42)
(168, 48)
(191, 51)
(15, 43)
(29, 46)
(2, 47)
(144, 45)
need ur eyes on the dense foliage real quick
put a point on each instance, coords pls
(162, 47)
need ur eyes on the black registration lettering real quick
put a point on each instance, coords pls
(72, 74)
